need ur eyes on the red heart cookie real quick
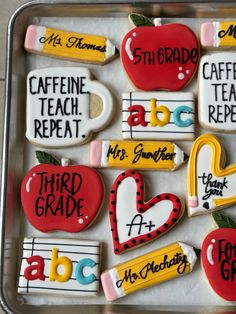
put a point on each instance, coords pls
(65, 198)
(135, 222)
(160, 57)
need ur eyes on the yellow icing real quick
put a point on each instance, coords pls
(63, 49)
(55, 262)
(153, 258)
(216, 167)
(155, 110)
(230, 28)
(130, 151)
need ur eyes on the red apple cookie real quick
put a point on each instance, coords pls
(159, 57)
(135, 222)
(61, 197)
(219, 257)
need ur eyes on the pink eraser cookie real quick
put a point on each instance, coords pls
(69, 45)
(207, 34)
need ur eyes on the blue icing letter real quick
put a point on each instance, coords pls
(177, 119)
(79, 274)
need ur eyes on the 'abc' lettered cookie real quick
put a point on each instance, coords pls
(58, 106)
(159, 57)
(61, 197)
(219, 257)
(210, 185)
(217, 92)
(135, 222)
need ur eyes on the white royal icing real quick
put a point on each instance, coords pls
(128, 49)
(190, 253)
(217, 91)
(58, 102)
(209, 252)
(126, 210)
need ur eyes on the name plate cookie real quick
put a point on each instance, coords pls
(211, 186)
(69, 45)
(219, 257)
(218, 34)
(166, 263)
(217, 92)
(61, 197)
(134, 154)
(135, 222)
(60, 266)
(59, 104)
(157, 57)
(158, 116)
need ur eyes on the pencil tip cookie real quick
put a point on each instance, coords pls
(59, 102)
(158, 266)
(211, 186)
(218, 34)
(158, 116)
(157, 57)
(135, 222)
(219, 257)
(217, 92)
(69, 45)
(64, 267)
(57, 196)
(136, 155)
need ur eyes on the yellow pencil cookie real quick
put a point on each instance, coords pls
(69, 45)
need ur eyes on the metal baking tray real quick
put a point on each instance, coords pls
(17, 156)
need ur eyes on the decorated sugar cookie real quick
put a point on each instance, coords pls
(57, 196)
(135, 222)
(69, 45)
(217, 92)
(159, 56)
(134, 154)
(218, 34)
(211, 186)
(166, 263)
(60, 267)
(219, 257)
(59, 103)
(158, 116)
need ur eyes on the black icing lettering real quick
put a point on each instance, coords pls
(227, 259)
(211, 186)
(231, 31)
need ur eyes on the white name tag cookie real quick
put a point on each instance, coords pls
(65, 267)
(217, 92)
(58, 106)
(158, 115)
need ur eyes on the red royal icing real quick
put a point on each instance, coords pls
(61, 198)
(219, 261)
(36, 268)
(141, 208)
(161, 57)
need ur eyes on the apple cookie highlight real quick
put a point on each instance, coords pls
(158, 116)
(218, 34)
(135, 222)
(211, 186)
(157, 57)
(136, 155)
(217, 92)
(219, 257)
(61, 197)
(58, 106)
(69, 45)
(60, 267)
(166, 263)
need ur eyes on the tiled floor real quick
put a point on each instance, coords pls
(7, 8)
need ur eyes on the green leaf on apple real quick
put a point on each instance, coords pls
(45, 158)
(140, 20)
(224, 221)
